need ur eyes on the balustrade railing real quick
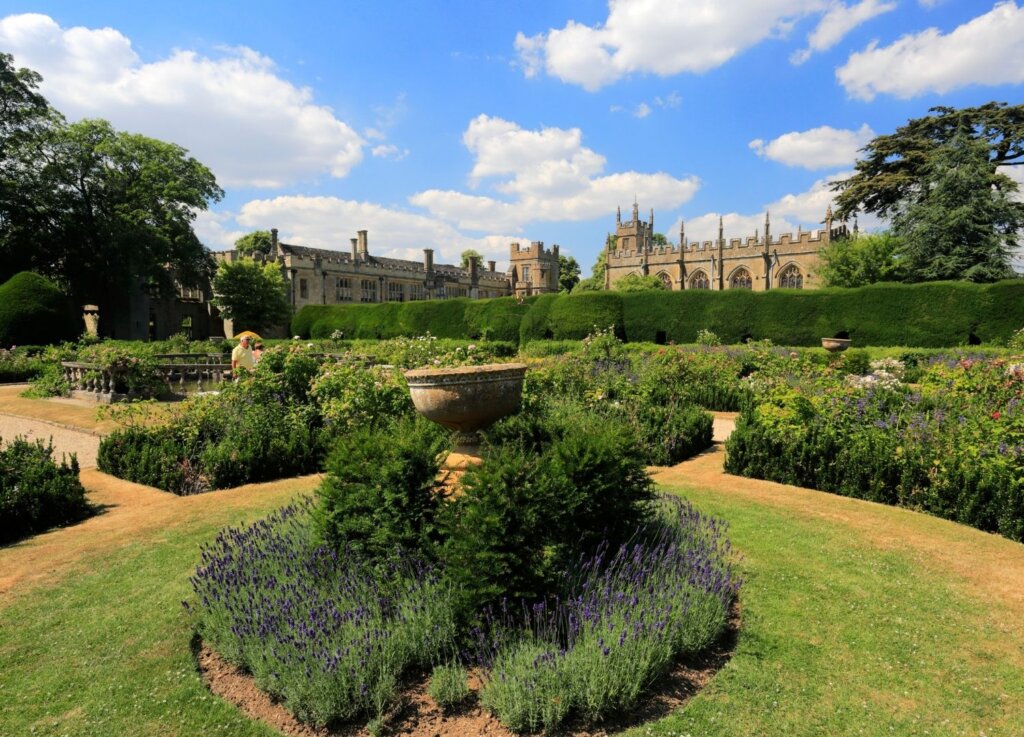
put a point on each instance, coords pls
(106, 385)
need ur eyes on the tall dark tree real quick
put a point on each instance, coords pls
(98, 210)
(894, 167)
(25, 116)
(963, 224)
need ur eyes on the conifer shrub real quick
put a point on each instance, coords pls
(37, 492)
(34, 311)
(379, 494)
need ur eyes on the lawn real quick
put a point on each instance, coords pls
(858, 619)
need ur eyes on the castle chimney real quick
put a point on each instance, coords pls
(364, 247)
(355, 250)
(273, 240)
(428, 260)
(491, 266)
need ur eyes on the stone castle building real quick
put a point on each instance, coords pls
(757, 263)
(318, 276)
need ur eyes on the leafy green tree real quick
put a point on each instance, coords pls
(97, 210)
(895, 168)
(864, 259)
(659, 239)
(637, 283)
(568, 273)
(253, 295)
(595, 282)
(470, 253)
(963, 223)
(258, 241)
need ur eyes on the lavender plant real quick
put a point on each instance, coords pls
(328, 633)
(625, 617)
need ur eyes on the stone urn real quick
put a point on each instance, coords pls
(467, 399)
(835, 345)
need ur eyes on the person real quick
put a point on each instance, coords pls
(241, 356)
(257, 352)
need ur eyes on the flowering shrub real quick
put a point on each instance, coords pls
(623, 616)
(325, 631)
(954, 449)
(17, 366)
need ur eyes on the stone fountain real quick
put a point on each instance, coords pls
(467, 399)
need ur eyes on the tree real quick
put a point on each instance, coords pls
(568, 273)
(97, 210)
(258, 241)
(253, 295)
(659, 239)
(894, 167)
(864, 259)
(963, 224)
(468, 254)
(638, 283)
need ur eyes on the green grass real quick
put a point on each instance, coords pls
(839, 637)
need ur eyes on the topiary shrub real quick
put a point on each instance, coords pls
(33, 310)
(37, 493)
(379, 494)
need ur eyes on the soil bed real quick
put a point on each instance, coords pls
(421, 717)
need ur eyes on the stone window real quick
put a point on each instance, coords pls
(417, 292)
(303, 289)
(741, 279)
(700, 281)
(665, 279)
(791, 278)
(526, 274)
(342, 290)
(368, 290)
(396, 292)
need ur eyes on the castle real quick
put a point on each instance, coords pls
(757, 263)
(317, 276)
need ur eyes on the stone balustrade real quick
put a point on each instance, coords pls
(186, 374)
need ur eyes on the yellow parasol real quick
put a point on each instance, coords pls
(248, 334)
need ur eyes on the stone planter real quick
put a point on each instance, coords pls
(467, 399)
(834, 345)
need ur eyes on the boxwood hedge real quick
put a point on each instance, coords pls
(33, 310)
(936, 314)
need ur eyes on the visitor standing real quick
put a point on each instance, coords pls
(241, 356)
(257, 352)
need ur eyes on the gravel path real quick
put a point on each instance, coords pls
(65, 440)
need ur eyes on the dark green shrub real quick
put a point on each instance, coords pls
(535, 324)
(150, 456)
(669, 433)
(529, 509)
(379, 493)
(575, 316)
(35, 492)
(33, 310)
(495, 319)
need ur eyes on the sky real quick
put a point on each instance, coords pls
(454, 125)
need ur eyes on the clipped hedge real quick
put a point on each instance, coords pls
(33, 310)
(930, 315)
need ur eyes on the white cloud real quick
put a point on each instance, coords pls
(662, 37)
(642, 110)
(389, 151)
(837, 22)
(549, 175)
(988, 50)
(330, 222)
(233, 112)
(671, 100)
(819, 148)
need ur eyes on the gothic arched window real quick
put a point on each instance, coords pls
(700, 280)
(741, 279)
(791, 278)
(665, 279)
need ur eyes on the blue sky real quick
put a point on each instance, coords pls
(453, 125)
